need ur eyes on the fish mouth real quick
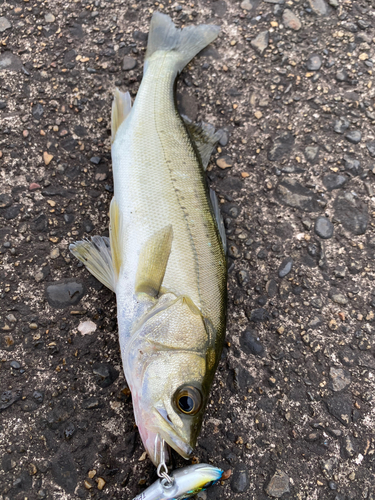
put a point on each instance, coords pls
(169, 436)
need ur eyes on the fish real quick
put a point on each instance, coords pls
(184, 483)
(165, 257)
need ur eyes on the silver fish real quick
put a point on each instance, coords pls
(165, 258)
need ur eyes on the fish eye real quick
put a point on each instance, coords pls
(188, 400)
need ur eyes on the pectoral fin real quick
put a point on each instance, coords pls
(96, 256)
(153, 261)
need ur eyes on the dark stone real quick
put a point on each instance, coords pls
(69, 430)
(243, 277)
(10, 62)
(334, 181)
(38, 397)
(250, 343)
(11, 212)
(324, 227)
(341, 125)
(354, 136)
(314, 62)
(80, 130)
(7, 398)
(37, 111)
(271, 288)
(259, 315)
(105, 374)
(68, 144)
(281, 147)
(69, 56)
(219, 7)
(231, 184)
(15, 365)
(129, 63)
(293, 194)
(187, 105)
(240, 479)
(260, 42)
(342, 75)
(88, 226)
(5, 200)
(340, 407)
(285, 267)
(371, 148)
(352, 165)
(55, 191)
(3, 104)
(130, 443)
(91, 403)
(234, 252)
(64, 294)
(351, 212)
(64, 471)
(95, 160)
(312, 154)
(230, 209)
(139, 36)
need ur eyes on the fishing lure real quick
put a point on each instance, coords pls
(182, 483)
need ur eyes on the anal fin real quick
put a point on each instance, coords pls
(153, 260)
(96, 256)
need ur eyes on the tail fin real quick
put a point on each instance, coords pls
(186, 43)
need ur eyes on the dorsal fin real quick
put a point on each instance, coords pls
(205, 138)
(219, 218)
(121, 107)
(153, 261)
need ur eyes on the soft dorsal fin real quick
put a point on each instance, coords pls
(219, 218)
(153, 261)
(205, 138)
(121, 107)
(115, 235)
(96, 256)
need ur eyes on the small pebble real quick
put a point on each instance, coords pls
(324, 227)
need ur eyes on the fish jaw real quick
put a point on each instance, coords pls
(158, 435)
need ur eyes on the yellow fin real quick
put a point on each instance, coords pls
(96, 256)
(121, 107)
(115, 236)
(153, 261)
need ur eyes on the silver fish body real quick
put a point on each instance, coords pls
(165, 259)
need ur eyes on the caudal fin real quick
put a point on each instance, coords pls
(185, 43)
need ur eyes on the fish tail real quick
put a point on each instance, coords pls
(185, 43)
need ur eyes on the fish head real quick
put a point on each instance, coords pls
(173, 374)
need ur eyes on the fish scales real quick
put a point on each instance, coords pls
(158, 181)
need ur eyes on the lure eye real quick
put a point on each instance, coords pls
(188, 400)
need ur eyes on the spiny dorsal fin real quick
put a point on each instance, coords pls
(153, 261)
(96, 256)
(219, 218)
(115, 236)
(205, 138)
(121, 107)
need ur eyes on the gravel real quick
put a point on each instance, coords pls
(290, 85)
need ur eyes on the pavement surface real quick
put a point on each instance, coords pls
(291, 83)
